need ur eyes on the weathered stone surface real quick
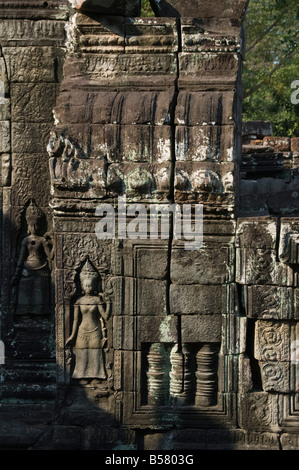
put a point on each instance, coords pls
(289, 441)
(130, 69)
(140, 341)
(5, 137)
(204, 108)
(208, 183)
(24, 134)
(33, 102)
(147, 295)
(199, 68)
(256, 253)
(32, 32)
(201, 329)
(210, 35)
(288, 240)
(259, 129)
(32, 65)
(205, 143)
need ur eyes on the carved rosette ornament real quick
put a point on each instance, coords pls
(176, 375)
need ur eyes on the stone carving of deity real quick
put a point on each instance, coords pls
(88, 336)
(33, 272)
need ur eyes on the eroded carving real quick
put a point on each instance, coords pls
(33, 272)
(157, 375)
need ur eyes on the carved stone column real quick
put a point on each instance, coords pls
(206, 376)
(157, 375)
(147, 111)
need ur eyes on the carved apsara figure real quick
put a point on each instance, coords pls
(33, 271)
(88, 336)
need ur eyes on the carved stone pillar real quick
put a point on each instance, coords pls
(188, 389)
(206, 375)
(157, 375)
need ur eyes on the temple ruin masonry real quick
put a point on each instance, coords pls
(139, 343)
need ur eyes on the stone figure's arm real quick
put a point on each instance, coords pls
(48, 252)
(21, 259)
(105, 313)
(70, 341)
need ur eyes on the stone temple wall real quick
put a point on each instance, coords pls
(140, 342)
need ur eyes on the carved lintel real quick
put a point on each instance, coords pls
(34, 9)
(5, 169)
(176, 374)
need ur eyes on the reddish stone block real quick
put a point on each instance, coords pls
(295, 144)
(280, 144)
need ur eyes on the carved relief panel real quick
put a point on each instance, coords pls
(266, 256)
(144, 126)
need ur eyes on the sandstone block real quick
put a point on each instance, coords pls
(32, 64)
(201, 267)
(295, 144)
(33, 102)
(204, 108)
(147, 295)
(204, 328)
(197, 299)
(199, 8)
(205, 143)
(257, 129)
(30, 137)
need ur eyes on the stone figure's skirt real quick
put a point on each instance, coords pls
(89, 363)
(34, 293)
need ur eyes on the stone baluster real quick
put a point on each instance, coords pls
(206, 376)
(176, 375)
(188, 392)
(158, 375)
